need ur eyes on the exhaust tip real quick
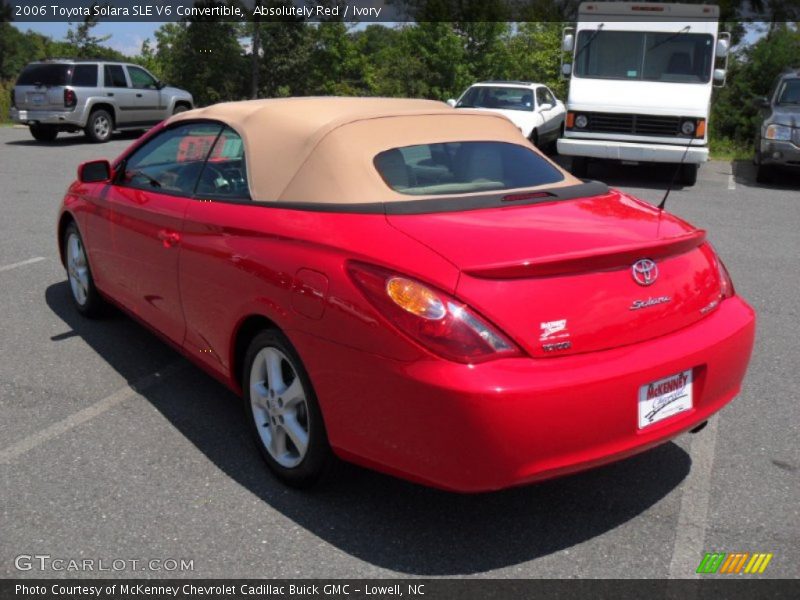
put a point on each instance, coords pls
(699, 428)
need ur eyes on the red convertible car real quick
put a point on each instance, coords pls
(409, 287)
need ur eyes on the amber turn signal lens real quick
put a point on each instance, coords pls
(415, 298)
(700, 131)
(570, 120)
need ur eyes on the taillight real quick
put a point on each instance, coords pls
(70, 99)
(13, 98)
(725, 281)
(432, 318)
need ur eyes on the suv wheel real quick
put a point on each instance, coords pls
(180, 108)
(764, 174)
(44, 133)
(99, 127)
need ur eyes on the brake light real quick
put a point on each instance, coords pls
(70, 99)
(434, 319)
(725, 281)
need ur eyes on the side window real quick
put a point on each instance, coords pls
(549, 98)
(115, 76)
(84, 76)
(172, 161)
(225, 173)
(141, 79)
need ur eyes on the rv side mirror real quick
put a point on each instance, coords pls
(451, 103)
(719, 76)
(568, 43)
(566, 69)
(722, 48)
(94, 171)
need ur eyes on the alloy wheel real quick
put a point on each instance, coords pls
(77, 269)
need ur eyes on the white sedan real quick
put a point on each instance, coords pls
(530, 106)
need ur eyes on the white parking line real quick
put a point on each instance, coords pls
(22, 263)
(11, 452)
(731, 182)
(690, 535)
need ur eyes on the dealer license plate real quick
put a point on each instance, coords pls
(664, 398)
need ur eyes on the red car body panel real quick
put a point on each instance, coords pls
(196, 271)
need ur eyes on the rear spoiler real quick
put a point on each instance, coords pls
(605, 259)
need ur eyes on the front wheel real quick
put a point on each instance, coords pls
(764, 174)
(688, 175)
(84, 293)
(283, 412)
(44, 133)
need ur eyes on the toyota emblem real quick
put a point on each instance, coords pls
(644, 271)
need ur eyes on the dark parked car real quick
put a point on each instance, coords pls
(778, 139)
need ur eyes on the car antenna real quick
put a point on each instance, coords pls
(663, 202)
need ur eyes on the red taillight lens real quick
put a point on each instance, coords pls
(725, 281)
(432, 318)
(70, 99)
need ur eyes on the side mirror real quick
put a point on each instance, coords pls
(566, 69)
(94, 171)
(160, 85)
(719, 76)
(723, 46)
(451, 103)
(545, 106)
(568, 43)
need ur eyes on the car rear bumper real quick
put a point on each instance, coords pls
(515, 421)
(47, 117)
(631, 151)
(779, 153)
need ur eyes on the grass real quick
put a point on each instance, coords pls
(727, 149)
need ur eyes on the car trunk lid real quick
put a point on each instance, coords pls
(558, 277)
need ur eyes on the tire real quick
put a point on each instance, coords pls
(765, 174)
(580, 166)
(44, 133)
(83, 292)
(284, 414)
(534, 138)
(688, 174)
(179, 109)
(99, 126)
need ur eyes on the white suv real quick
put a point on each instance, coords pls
(530, 106)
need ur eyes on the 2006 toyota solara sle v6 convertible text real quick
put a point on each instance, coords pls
(409, 287)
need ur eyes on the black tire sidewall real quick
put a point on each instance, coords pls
(94, 302)
(90, 126)
(318, 456)
(43, 133)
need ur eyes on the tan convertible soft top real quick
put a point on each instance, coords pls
(322, 149)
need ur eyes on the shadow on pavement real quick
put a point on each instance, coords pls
(71, 139)
(744, 173)
(654, 176)
(378, 519)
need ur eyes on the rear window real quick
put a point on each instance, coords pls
(84, 76)
(41, 74)
(463, 167)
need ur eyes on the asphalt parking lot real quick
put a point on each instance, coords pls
(112, 446)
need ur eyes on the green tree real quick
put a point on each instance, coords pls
(81, 39)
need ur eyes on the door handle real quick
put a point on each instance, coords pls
(169, 238)
(110, 94)
(138, 95)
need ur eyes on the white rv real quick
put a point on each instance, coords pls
(641, 76)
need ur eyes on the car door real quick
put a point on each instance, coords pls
(147, 204)
(546, 106)
(147, 96)
(116, 88)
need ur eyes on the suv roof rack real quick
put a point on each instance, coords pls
(80, 60)
(508, 81)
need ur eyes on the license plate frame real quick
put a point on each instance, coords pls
(665, 398)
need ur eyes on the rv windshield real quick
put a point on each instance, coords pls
(675, 57)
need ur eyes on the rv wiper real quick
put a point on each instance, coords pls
(670, 38)
(588, 42)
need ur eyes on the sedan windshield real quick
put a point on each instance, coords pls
(463, 167)
(790, 94)
(677, 57)
(505, 98)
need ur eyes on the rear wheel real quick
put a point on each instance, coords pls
(44, 133)
(283, 412)
(99, 127)
(688, 175)
(580, 166)
(84, 293)
(180, 108)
